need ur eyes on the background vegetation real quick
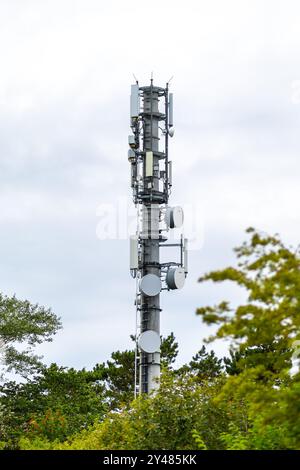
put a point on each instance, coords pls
(248, 400)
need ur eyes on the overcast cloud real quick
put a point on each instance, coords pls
(66, 70)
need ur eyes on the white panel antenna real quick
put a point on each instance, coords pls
(134, 259)
(171, 123)
(134, 101)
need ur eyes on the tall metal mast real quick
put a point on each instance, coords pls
(151, 121)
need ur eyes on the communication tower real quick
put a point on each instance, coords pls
(151, 122)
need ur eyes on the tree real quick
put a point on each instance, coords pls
(264, 329)
(168, 351)
(55, 403)
(180, 410)
(24, 324)
(204, 366)
(6, 418)
(118, 374)
(262, 333)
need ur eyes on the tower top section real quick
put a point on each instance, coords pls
(151, 122)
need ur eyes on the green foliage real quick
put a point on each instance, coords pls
(259, 436)
(204, 365)
(22, 323)
(262, 333)
(37, 443)
(234, 439)
(166, 420)
(198, 440)
(251, 403)
(264, 328)
(168, 350)
(6, 417)
(52, 426)
(56, 403)
(119, 378)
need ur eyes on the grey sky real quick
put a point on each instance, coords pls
(66, 69)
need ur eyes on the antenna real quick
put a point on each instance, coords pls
(169, 81)
(170, 109)
(151, 182)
